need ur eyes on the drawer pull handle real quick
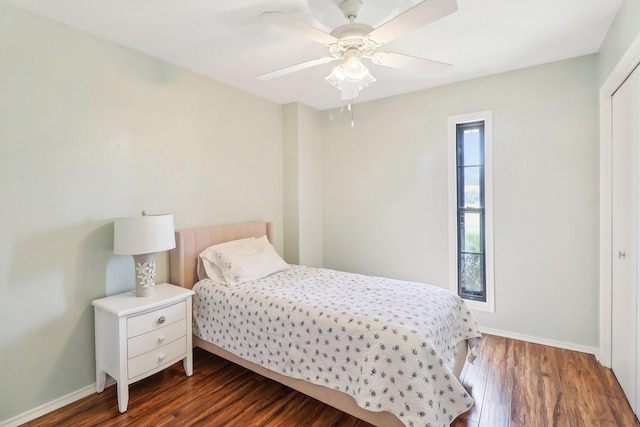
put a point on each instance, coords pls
(161, 320)
(161, 338)
(160, 357)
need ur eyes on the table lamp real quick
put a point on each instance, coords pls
(142, 237)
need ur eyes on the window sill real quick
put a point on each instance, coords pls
(480, 306)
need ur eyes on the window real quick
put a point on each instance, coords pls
(470, 201)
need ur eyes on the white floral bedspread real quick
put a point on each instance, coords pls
(390, 344)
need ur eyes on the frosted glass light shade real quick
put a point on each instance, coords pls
(143, 235)
(350, 78)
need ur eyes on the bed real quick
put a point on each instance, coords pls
(376, 366)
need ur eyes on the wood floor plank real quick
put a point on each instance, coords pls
(494, 415)
(494, 367)
(475, 385)
(513, 383)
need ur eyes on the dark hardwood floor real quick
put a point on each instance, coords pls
(513, 382)
(517, 384)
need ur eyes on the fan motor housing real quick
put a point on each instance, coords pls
(352, 36)
(352, 29)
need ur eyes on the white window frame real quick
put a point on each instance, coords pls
(452, 121)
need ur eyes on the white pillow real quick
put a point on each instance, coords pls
(208, 269)
(242, 260)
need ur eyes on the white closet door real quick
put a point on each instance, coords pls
(625, 343)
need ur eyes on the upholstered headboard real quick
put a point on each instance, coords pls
(190, 242)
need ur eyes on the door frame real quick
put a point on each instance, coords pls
(629, 61)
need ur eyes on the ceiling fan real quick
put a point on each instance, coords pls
(354, 41)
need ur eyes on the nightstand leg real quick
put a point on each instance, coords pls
(187, 362)
(123, 396)
(101, 379)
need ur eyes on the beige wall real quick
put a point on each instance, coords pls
(310, 186)
(623, 31)
(291, 187)
(302, 185)
(90, 131)
(385, 186)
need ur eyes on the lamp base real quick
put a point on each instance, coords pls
(142, 291)
(145, 274)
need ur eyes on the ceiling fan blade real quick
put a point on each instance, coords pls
(290, 23)
(405, 62)
(294, 68)
(418, 16)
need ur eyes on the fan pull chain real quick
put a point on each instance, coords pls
(353, 123)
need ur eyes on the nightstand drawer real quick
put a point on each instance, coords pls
(139, 325)
(155, 339)
(156, 358)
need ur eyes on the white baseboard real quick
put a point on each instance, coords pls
(543, 341)
(53, 405)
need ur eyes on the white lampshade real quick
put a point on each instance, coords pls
(143, 235)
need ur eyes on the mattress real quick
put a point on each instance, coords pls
(390, 344)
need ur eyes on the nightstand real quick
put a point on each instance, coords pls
(139, 336)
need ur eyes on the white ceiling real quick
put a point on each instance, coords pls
(226, 40)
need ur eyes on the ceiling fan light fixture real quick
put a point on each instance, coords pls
(366, 80)
(355, 69)
(337, 76)
(350, 77)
